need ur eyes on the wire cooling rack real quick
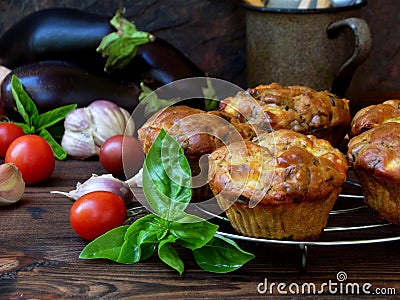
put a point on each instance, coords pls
(350, 223)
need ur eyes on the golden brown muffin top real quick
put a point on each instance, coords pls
(375, 115)
(377, 151)
(165, 118)
(197, 131)
(298, 108)
(278, 167)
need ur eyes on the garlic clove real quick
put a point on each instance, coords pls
(78, 120)
(105, 182)
(6, 202)
(12, 185)
(79, 144)
(129, 128)
(109, 119)
(77, 140)
(106, 119)
(137, 180)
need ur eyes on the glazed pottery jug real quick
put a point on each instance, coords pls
(319, 48)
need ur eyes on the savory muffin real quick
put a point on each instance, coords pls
(374, 115)
(281, 185)
(375, 157)
(298, 108)
(165, 118)
(199, 133)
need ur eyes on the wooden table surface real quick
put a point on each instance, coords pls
(39, 260)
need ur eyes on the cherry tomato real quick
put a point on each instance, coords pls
(33, 156)
(95, 213)
(121, 153)
(8, 133)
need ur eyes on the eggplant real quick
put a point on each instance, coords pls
(73, 35)
(51, 84)
(159, 63)
(54, 34)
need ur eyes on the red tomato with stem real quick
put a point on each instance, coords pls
(33, 156)
(8, 133)
(95, 213)
(121, 153)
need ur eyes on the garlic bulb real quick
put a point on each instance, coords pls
(104, 182)
(86, 129)
(12, 185)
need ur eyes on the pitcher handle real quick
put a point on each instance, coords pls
(361, 52)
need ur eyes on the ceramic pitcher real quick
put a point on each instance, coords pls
(319, 48)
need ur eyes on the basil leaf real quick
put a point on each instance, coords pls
(149, 222)
(149, 236)
(156, 199)
(41, 124)
(221, 255)
(26, 128)
(171, 170)
(56, 131)
(129, 252)
(106, 246)
(167, 177)
(169, 255)
(193, 235)
(183, 217)
(58, 150)
(141, 239)
(25, 105)
(52, 117)
(132, 252)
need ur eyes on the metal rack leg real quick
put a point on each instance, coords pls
(303, 249)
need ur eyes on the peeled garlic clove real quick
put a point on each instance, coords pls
(12, 185)
(105, 182)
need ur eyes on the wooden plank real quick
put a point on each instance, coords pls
(39, 258)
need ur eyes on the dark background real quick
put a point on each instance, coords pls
(212, 34)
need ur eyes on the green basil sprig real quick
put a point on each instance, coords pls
(167, 178)
(40, 124)
(167, 188)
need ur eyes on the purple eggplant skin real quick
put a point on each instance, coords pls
(52, 84)
(69, 34)
(158, 63)
(55, 34)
